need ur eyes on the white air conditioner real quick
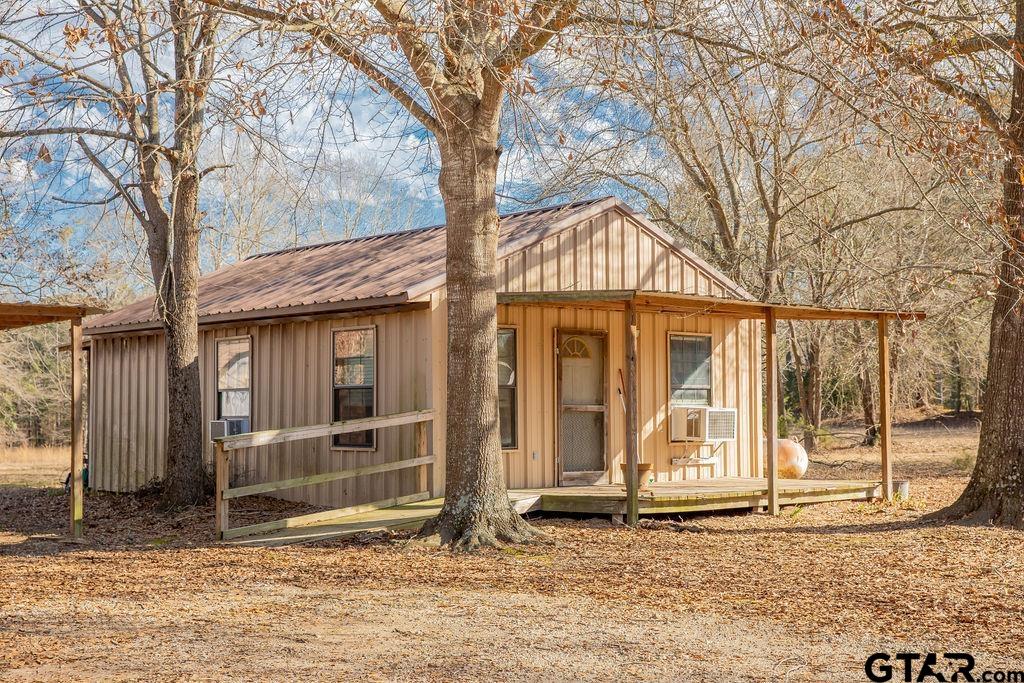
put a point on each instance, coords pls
(228, 427)
(702, 425)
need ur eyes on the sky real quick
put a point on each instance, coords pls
(344, 159)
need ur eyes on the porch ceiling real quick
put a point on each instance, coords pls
(670, 302)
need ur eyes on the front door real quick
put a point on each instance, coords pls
(582, 408)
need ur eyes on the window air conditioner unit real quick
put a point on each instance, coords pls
(702, 425)
(228, 427)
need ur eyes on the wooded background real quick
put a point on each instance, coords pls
(752, 140)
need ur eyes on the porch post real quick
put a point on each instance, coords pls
(632, 435)
(771, 371)
(884, 416)
(77, 455)
(221, 469)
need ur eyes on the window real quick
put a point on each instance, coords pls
(354, 390)
(690, 369)
(507, 387)
(233, 397)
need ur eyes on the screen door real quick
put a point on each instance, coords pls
(582, 408)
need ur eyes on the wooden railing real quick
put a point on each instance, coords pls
(225, 445)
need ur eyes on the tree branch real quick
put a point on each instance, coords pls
(330, 39)
(116, 184)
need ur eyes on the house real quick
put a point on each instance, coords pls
(355, 328)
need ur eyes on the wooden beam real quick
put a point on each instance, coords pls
(56, 311)
(632, 421)
(11, 322)
(420, 433)
(221, 468)
(884, 414)
(567, 296)
(272, 436)
(303, 520)
(771, 379)
(268, 486)
(77, 452)
(691, 304)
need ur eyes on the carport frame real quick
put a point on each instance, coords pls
(18, 315)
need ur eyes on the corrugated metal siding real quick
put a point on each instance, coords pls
(291, 386)
(127, 412)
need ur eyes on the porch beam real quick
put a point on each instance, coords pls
(632, 422)
(771, 378)
(77, 454)
(884, 413)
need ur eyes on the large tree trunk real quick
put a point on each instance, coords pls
(186, 476)
(995, 492)
(476, 508)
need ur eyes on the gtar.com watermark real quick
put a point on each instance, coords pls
(947, 667)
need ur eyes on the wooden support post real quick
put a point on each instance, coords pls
(221, 467)
(632, 429)
(884, 415)
(77, 451)
(771, 374)
(421, 451)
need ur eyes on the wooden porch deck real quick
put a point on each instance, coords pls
(703, 495)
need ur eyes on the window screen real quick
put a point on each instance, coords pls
(354, 383)
(233, 391)
(690, 369)
(507, 381)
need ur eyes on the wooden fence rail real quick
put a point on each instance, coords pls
(225, 445)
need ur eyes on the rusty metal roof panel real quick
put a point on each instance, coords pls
(365, 269)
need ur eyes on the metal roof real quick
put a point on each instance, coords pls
(363, 272)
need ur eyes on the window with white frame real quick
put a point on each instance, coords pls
(234, 396)
(690, 369)
(354, 377)
(507, 387)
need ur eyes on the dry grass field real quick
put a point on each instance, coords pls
(806, 596)
(37, 467)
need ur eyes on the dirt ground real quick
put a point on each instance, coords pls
(806, 596)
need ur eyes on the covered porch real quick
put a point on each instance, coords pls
(715, 492)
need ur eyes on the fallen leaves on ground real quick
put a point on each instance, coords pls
(846, 577)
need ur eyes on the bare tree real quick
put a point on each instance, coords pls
(763, 169)
(953, 77)
(451, 67)
(98, 77)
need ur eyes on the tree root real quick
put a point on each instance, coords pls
(483, 531)
(972, 509)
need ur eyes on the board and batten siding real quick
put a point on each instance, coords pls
(736, 384)
(291, 385)
(609, 251)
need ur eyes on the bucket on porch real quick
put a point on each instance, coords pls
(645, 473)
